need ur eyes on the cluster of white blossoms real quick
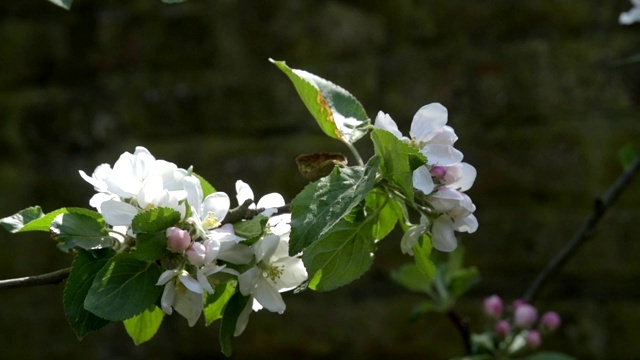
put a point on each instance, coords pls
(202, 249)
(444, 179)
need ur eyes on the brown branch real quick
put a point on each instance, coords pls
(243, 212)
(55, 277)
(462, 325)
(585, 231)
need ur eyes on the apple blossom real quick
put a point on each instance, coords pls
(550, 320)
(493, 306)
(533, 339)
(525, 316)
(178, 240)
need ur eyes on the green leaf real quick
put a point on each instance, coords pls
(422, 257)
(215, 304)
(66, 4)
(80, 231)
(155, 220)
(124, 287)
(627, 154)
(231, 314)
(143, 327)
(83, 272)
(341, 256)
(412, 278)
(321, 204)
(339, 114)
(388, 213)
(207, 188)
(16, 222)
(251, 229)
(399, 160)
(549, 355)
(150, 228)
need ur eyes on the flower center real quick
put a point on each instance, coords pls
(417, 144)
(272, 272)
(211, 221)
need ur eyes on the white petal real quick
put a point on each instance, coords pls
(443, 155)
(243, 191)
(151, 192)
(117, 212)
(443, 238)
(460, 176)
(422, 180)
(293, 275)
(166, 276)
(143, 162)
(467, 224)
(265, 247)
(268, 296)
(248, 279)
(194, 192)
(270, 202)
(235, 253)
(218, 203)
(243, 318)
(168, 295)
(191, 283)
(410, 238)
(204, 283)
(428, 122)
(385, 122)
(98, 198)
(446, 136)
(189, 305)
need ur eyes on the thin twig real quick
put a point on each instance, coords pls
(244, 212)
(462, 326)
(55, 277)
(585, 231)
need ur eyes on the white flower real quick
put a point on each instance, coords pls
(231, 250)
(269, 202)
(183, 293)
(631, 16)
(207, 213)
(275, 271)
(430, 134)
(456, 210)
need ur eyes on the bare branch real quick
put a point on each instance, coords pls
(585, 231)
(55, 277)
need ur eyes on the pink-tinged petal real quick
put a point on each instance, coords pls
(217, 203)
(117, 212)
(385, 122)
(266, 247)
(443, 238)
(442, 155)
(268, 296)
(445, 199)
(428, 122)
(422, 180)
(243, 192)
(190, 306)
(168, 295)
(248, 279)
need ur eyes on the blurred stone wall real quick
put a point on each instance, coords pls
(531, 88)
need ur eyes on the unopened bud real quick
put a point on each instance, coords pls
(551, 320)
(516, 303)
(196, 254)
(177, 239)
(502, 329)
(493, 306)
(525, 316)
(438, 172)
(533, 339)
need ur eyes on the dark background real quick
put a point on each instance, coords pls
(531, 89)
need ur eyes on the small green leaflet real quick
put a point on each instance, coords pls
(124, 287)
(143, 327)
(150, 228)
(422, 256)
(338, 113)
(412, 278)
(83, 272)
(323, 203)
(33, 219)
(215, 304)
(341, 256)
(399, 160)
(80, 231)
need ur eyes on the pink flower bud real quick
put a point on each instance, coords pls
(493, 306)
(525, 316)
(502, 328)
(177, 239)
(196, 254)
(438, 172)
(551, 320)
(533, 339)
(516, 303)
